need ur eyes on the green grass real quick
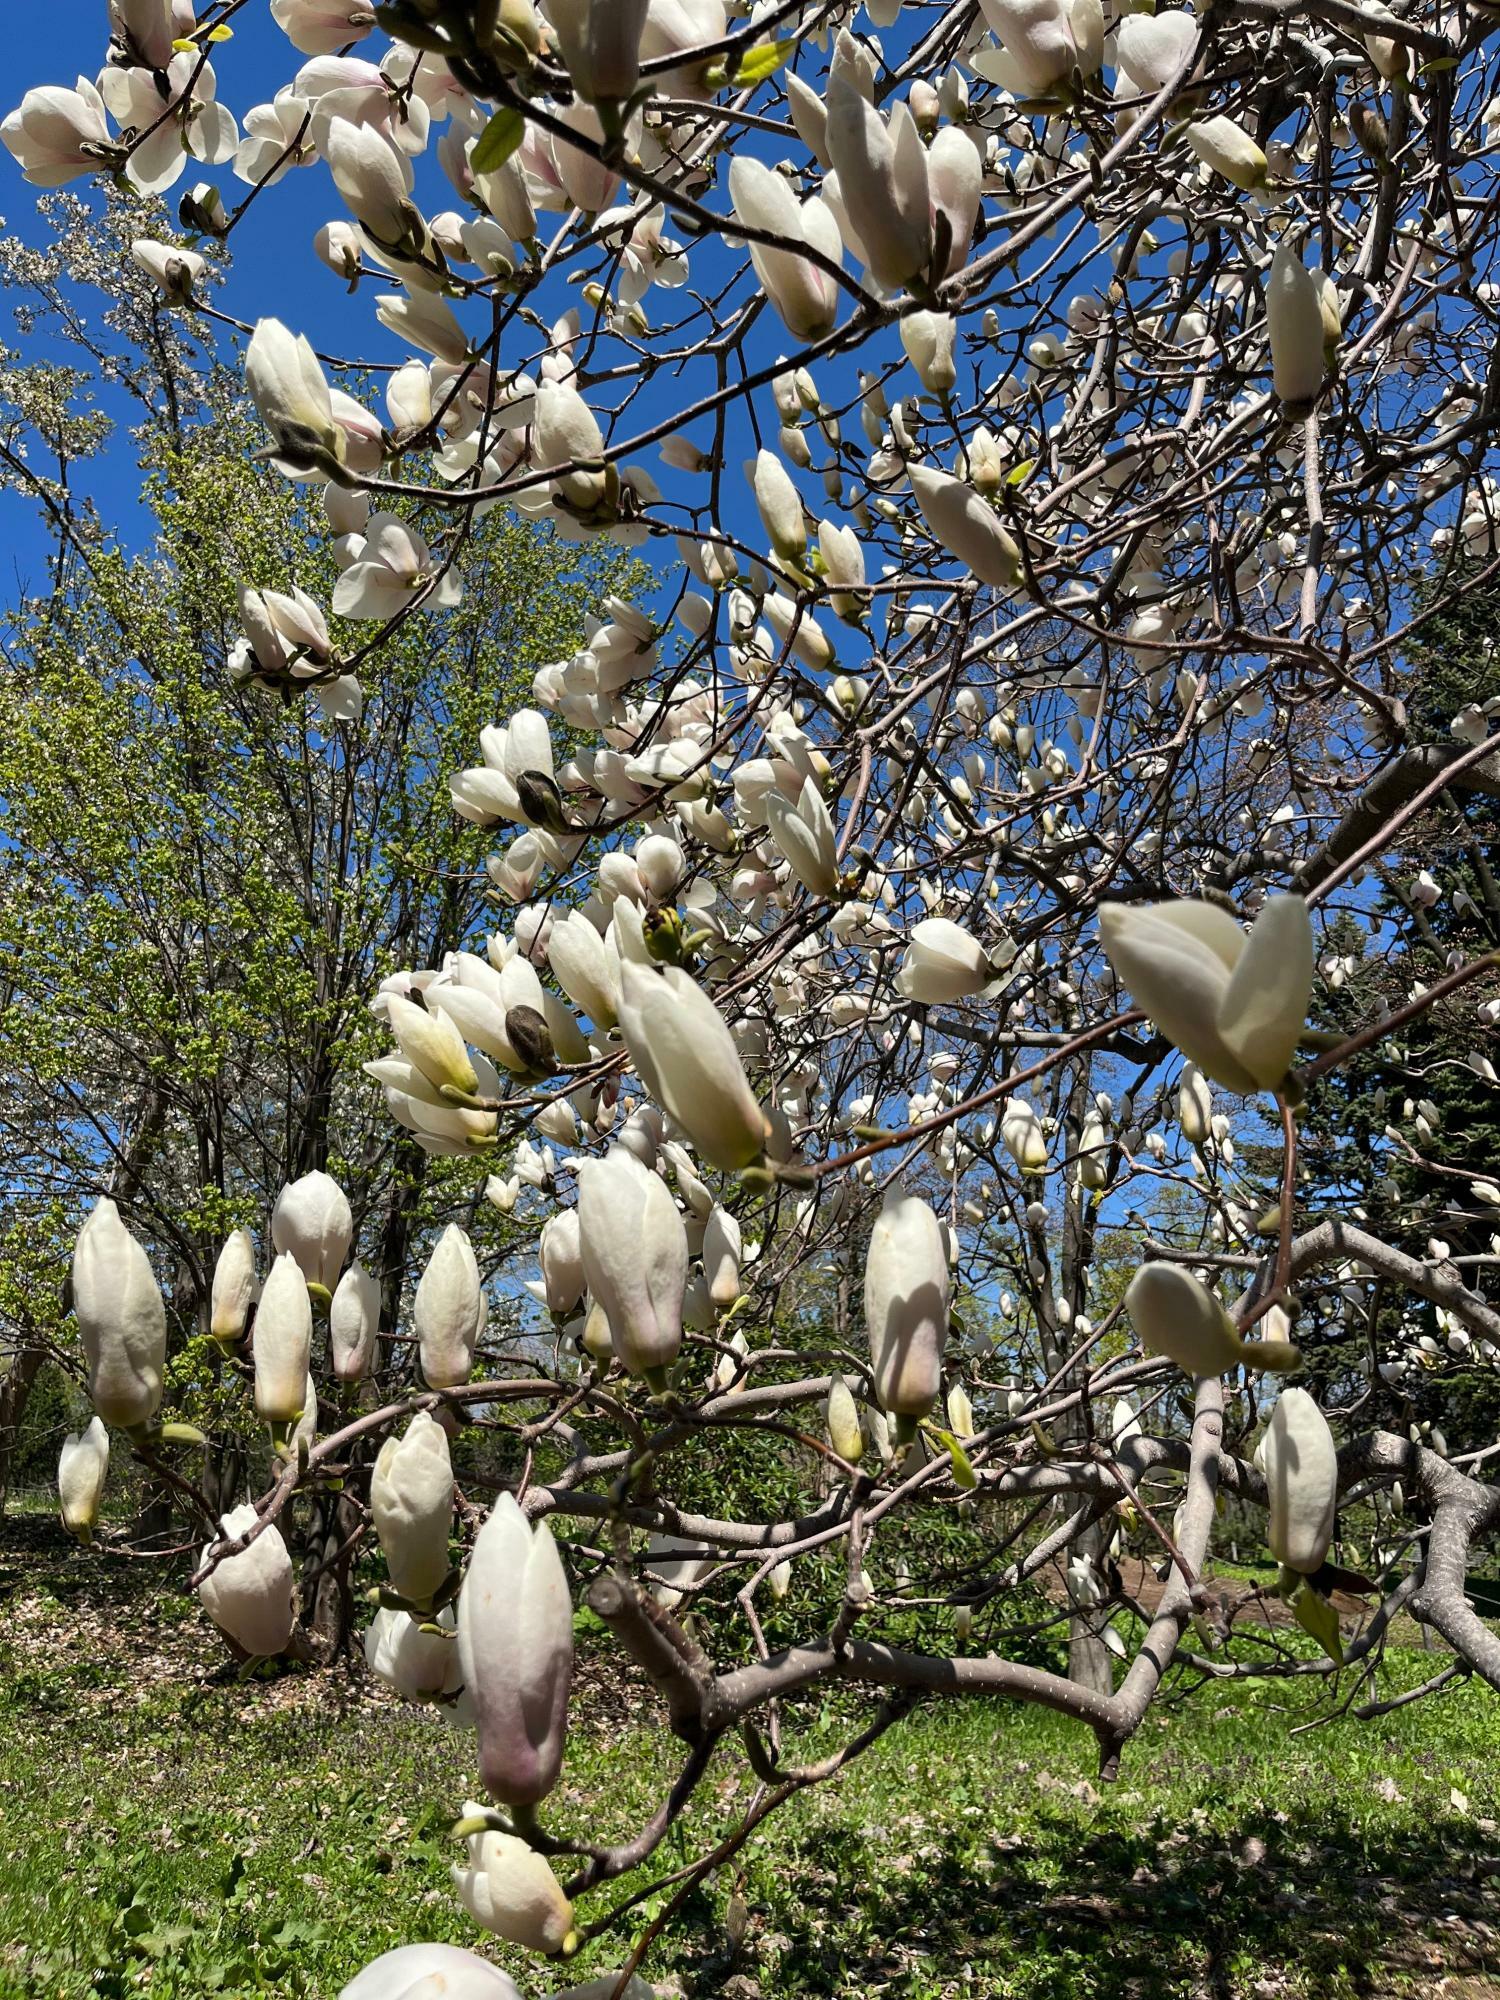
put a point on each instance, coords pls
(169, 1833)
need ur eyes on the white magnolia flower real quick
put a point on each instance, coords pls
(1044, 42)
(1234, 1005)
(515, 1647)
(805, 294)
(687, 1059)
(322, 27)
(942, 962)
(601, 45)
(277, 138)
(312, 1219)
(395, 571)
(175, 270)
(55, 135)
(420, 1665)
(291, 393)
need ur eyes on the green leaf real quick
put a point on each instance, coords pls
(762, 61)
(1319, 1620)
(498, 140)
(963, 1472)
(1019, 474)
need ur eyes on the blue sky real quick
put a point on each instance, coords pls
(274, 267)
(275, 270)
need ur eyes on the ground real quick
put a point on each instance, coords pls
(171, 1833)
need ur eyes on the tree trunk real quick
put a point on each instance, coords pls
(328, 1608)
(223, 1473)
(15, 1394)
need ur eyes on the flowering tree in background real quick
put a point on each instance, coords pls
(1054, 429)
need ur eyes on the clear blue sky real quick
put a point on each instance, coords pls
(274, 267)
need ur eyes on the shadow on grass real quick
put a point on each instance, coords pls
(1295, 1904)
(36, 1551)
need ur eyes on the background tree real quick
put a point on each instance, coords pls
(206, 881)
(1410, 1128)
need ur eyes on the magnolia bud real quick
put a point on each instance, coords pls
(411, 1505)
(508, 1888)
(1195, 1105)
(353, 1324)
(661, 865)
(1294, 314)
(81, 1468)
(844, 1431)
(635, 1256)
(313, 1221)
(515, 1647)
(563, 1278)
(686, 1057)
(1175, 1315)
(249, 1595)
(449, 1311)
(906, 1305)
(121, 1319)
(804, 835)
(1300, 1464)
(1023, 1137)
(723, 1246)
(928, 338)
(780, 507)
(1229, 150)
(1123, 1422)
(283, 1343)
(234, 1289)
(967, 528)
(1093, 1154)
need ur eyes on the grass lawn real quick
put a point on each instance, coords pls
(166, 1832)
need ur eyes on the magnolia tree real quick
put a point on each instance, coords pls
(1051, 423)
